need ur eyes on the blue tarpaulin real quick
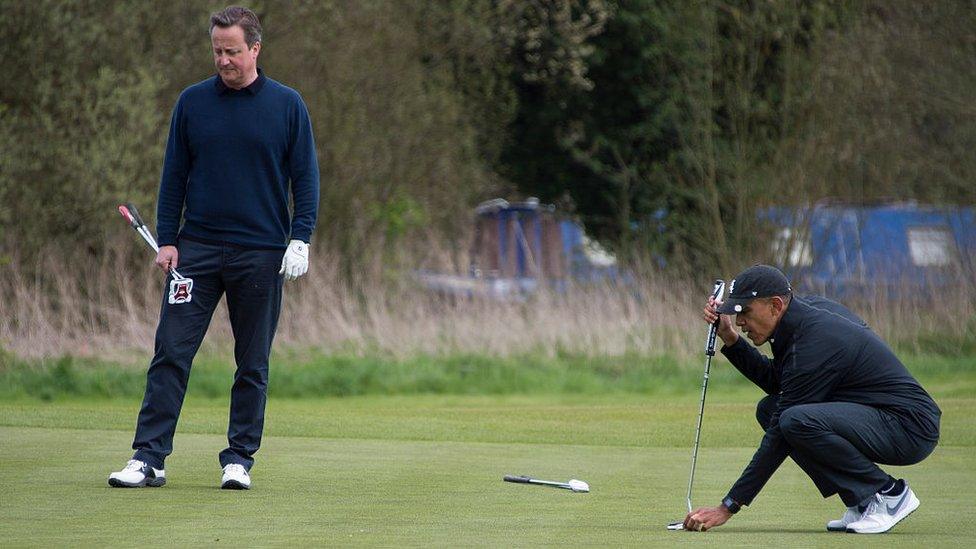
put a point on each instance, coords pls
(895, 249)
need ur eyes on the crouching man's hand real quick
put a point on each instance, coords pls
(725, 329)
(707, 518)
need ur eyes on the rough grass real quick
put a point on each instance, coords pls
(110, 311)
(312, 373)
(426, 471)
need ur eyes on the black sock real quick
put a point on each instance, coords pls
(893, 487)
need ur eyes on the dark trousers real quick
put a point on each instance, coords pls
(251, 282)
(837, 444)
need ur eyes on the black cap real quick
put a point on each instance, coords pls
(755, 282)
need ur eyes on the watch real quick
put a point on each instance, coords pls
(731, 505)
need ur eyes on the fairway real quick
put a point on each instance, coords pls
(423, 470)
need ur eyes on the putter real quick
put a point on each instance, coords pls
(709, 353)
(573, 484)
(181, 287)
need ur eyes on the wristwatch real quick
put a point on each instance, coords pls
(731, 505)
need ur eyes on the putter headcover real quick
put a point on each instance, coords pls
(131, 214)
(179, 293)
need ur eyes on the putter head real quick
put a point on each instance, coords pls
(676, 525)
(578, 485)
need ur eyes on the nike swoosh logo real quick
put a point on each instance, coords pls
(894, 509)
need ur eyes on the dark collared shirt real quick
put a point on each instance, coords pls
(822, 352)
(252, 89)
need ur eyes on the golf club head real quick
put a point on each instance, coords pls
(578, 485)
(676, 525)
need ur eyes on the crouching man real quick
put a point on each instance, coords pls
(839, 402)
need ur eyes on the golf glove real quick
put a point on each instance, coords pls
(295, 262)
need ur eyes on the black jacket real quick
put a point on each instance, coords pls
(822, 352)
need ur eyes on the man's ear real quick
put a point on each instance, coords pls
(779, 304)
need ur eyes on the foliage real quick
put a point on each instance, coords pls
(85, 125)
(685, 100)
(697, 113)
(663, 124)
(78, 130)
(887, 114)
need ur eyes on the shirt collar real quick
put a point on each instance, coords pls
(253, 88)
(783, 333)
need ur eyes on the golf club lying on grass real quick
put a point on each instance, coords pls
(709, 353)
(573, 484)
(180, 288)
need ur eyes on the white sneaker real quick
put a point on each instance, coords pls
(853, 514)
(135, 474)
(884, 512)
(235, 477)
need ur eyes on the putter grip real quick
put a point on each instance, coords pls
(719, 288)
(717, 292)
(135, 214)
(513, 478)
(713, 329)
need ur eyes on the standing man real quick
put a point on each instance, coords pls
(239, 144)
(839, 402)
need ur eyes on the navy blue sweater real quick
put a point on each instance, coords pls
(229, 160)
(822, 352)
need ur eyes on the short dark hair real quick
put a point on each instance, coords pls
(787, 297)
(243, 17)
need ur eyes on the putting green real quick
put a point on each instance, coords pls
(422, 471)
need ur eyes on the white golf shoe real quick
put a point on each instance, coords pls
(853, 514)
(235, 477)
(136, 474)
(884, 512)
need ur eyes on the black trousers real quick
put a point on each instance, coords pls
(838, 444)
(253, 287)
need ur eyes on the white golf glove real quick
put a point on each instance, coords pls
(295, 262)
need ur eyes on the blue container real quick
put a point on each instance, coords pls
(893, 250)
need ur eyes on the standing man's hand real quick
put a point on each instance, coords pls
(167, 258)
(295, 262)
(726, 330)
(707, 518)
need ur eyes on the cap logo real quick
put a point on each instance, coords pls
(738, 308)
(755, 292)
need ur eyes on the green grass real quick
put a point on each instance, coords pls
(316, 374)
(426, 471)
